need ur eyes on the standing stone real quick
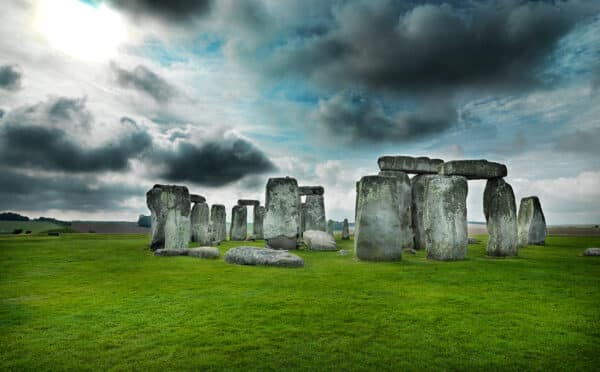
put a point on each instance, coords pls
(473, 169)
(218, 226)
(417, 207)
(302, 218)
(170, 207)
(314, 213)
(195, 198)
(408, 164)
(380, 230)
(330, 227)
(239, 224)
(405, 200)
(500, 211)
(200, 224)
(345, 230)
(257, 223)
(445, 217)
(281, 224)
(532, 223)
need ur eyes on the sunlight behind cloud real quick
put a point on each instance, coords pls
(80, 30)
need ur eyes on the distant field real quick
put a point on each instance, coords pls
(98, 302)
(109, 227)
(7, 227)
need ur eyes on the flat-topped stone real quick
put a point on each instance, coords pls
(170, 208)
(473, 169)
(319, 241)
(409, 164)
(248, 202)
(218, 226)
(313, 213)
(171, 252)
(281, 223)
(238, 230)
(195, 198)
(311, 190)
(200, 223)
(245, 255)
(592, 252)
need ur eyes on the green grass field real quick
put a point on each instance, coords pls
(90, 301)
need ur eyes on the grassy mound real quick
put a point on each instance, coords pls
(92, 301)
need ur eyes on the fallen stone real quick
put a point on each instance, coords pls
(200, 223)
(313, 213)
(281, 224)
(257, 223)
(592, 252)
(248, 202)
(500, 210)
(409, 164)
(203, 252)
(245, 255)
(195, 198)
(171, 252)
(170, 207)
(319, 241)
(218, 226)
(345, 230)
(311, 190)
(382, 227)
(238, 230)
(473, 241)
(532, 223)
(445, 217)
(343, 252)
(417, 206)
(473, 169)
(282, 242)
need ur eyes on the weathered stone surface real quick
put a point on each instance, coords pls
(532, 223)
(302, 217)
(473, 241)
(473, 169)
(218, 225)
(500, 209)
(382, 227)
(311, 190)
(248, 202)
(257, 223)
(317, 240)
(238, 229)
(171, 252)
(417, 207)
(330, 227)
(281, 225)
(203, 252)
(345, 230)
(407, 234)
(266, 257)
(409, 164)
(195, 198)
(170, 207)
(200, 222)
(592, 252)
(445, 217)
(313, 213)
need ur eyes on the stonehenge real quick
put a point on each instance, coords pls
(345, 230)
(473, 169)
(500, 212)
(445, 217)
(218, 226)
(245, 255)
(532, 223)
(408, 164)
(200, 220)
(239, 226)
(330, 227)
(417, 205)
(170, 209)
(257, 222)
(313, 209)
(281, 223)
(319, 241)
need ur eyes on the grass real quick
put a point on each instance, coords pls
(91, 301)
(36, 227)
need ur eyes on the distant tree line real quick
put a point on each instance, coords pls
(11, 216)
(144, 221)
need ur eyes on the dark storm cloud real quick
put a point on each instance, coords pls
(172, 10)
(361, 119)
(144, 80)
(65, 192)
(580, 141)
(10, 77)
(381, 46)
(215, 163)
(39, 137)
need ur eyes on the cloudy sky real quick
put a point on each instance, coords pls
(101, 99)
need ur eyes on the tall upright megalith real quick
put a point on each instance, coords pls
(218, 225)
(331, 227)
(345, 230)
(405, 206)
(312, 216)
(200, 221)
(382, 228)
(257, 223)
(281, 225)
(445, 217)
(500, 211)
(532, 223)
(170, 208)
(417, 205)
(239, 225)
